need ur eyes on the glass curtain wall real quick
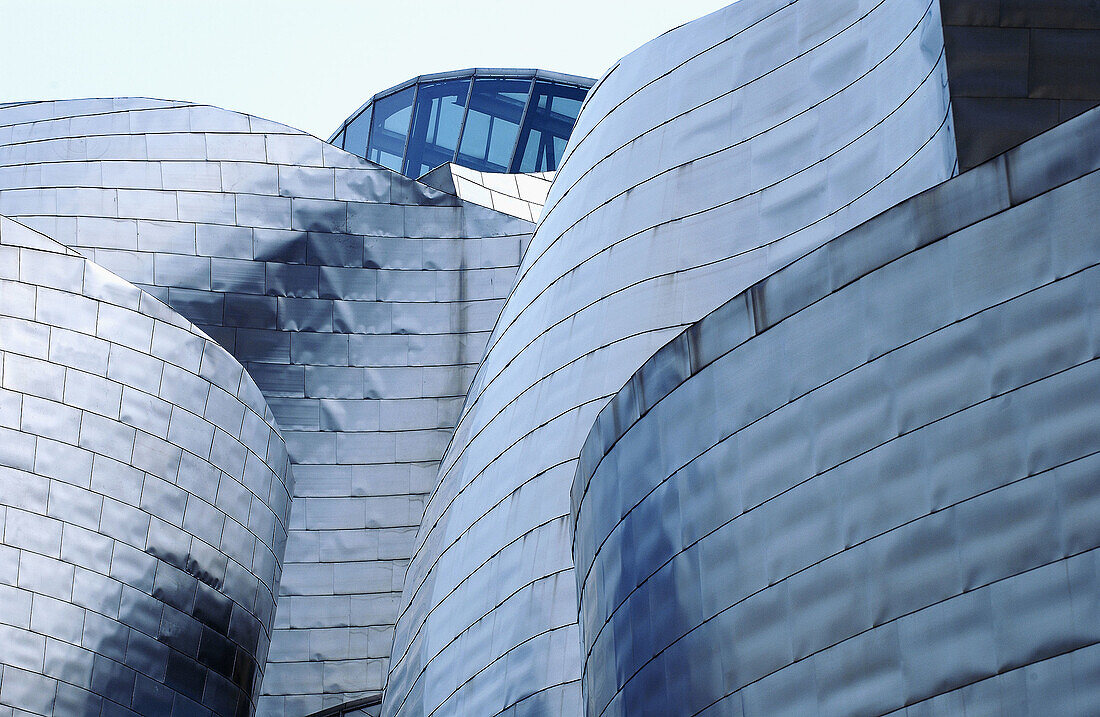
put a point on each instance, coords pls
(492, 123)
(389, 128)
(551, 115)
(437, 120)
(514, 123)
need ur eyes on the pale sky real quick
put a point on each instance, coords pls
(306, 63)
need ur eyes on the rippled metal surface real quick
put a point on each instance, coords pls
(144, 492)
(359, 301)
(700, 163)
(867, 485)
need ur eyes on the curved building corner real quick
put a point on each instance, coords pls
(358, 299)
(144, 497)
(700, 163)
(868, 485)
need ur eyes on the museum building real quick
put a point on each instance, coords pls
(755, 378)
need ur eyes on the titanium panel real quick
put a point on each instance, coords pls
(865, 494)
(310, 266)
(521, 195)
(1018, 68)
(133, 595)
(702, 162)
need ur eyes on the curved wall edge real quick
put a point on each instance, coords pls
(864, 485)
(144, 502)
(701, 163)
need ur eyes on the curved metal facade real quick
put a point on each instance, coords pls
(360, 302)
(863, 485)
(869, 484)
(700, 163)
(521, 195)
(1017, 69)
(143, 497)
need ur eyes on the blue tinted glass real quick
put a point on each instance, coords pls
(492, 123)
(355, 134)
(550, 120)
(436, 122)
(338, 140)
(389, 127)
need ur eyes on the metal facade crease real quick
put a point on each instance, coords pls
(699, 164)
(870, 494)
(359, 301)
(144, 499)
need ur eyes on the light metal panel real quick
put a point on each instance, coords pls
(347, 291)
(701, 163)
(145, 520)
(893, 516)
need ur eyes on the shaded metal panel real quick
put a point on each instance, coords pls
(285, 287)
(1017, 68)
(700, 163)
(986, 126)
(891, 522)
(1063, 64)
(136, 603)
(987, 61)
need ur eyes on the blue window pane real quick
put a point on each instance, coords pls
(355, 134)
(389, 127)
(550, 120)
(436, 122)
(492, 123)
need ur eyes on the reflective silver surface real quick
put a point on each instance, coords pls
(700, 163)
(521, 195)
(362, 302)
(867, 485)
(144, 492)
(359, 301)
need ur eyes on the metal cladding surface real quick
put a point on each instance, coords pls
(869, 484)
(700, 164)
(1017, 68)
(360, 302)
(521, 195)
(143, 499)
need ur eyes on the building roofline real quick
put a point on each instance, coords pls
(474, 72)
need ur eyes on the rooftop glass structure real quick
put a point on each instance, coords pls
(491, 120)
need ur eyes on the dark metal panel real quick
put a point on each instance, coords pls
(971, 12)
(1064, 64)
(987, 61)
(987, 126)
(1080, 14)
